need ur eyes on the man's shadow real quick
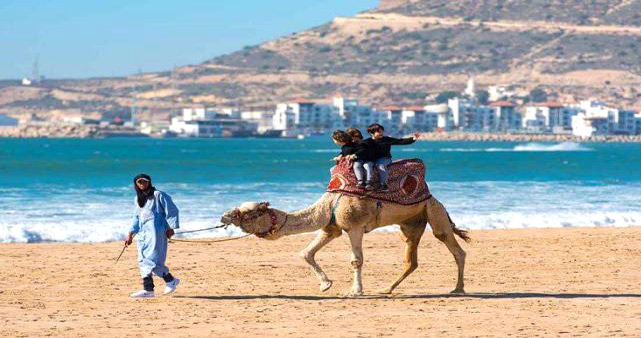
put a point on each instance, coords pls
(502, 295)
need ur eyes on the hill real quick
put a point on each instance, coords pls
(399, 52)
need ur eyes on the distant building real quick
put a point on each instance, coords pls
(194, 114)
(549, 117)
(201, 122)
(263, 120)
(498, 93)
(506, 116)
(356, 115)
(443, 116)
(306, 115)
(598, 119)
(587, 126)
(7, 121)
(419, 119)
(470, 89)
(466, 115)
(394, 119)
(155, 128)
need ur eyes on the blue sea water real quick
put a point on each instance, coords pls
(80, 190)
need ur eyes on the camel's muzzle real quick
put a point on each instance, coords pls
(227, 219)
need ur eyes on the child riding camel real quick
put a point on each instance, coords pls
(381, 146)
(353, 148)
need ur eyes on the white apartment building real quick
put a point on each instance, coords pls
(306, 115)
(418, 119)
(203, 122)
(359, 116)
(263, 120)
(194, 114)
(598, 119)
(499, 93)
(393, 119)
(506, 116)
(586, 126)
(468, 116)
(549, 117)
(444, 119)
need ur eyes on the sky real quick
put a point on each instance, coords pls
(97, 38)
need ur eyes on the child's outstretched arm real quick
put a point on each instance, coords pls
(404, 141)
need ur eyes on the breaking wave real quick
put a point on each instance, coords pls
(59, 214)
(533, 147)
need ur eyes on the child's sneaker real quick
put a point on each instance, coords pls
(171, 286)
(361, 184)
(143, 294)
(383, 187)
(370, 186)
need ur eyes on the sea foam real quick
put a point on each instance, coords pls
(57, 214)
(533, 147)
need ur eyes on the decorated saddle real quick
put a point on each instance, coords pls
(406, 182)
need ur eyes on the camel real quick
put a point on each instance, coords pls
(334, 213)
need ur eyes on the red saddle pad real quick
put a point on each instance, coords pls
(406, 182)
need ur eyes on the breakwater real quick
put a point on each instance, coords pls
(485, 137)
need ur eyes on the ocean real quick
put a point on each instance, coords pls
(80, 190)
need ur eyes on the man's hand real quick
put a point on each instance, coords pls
(130, 239)
(170, 232)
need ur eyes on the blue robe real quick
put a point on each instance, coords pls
(150, 225)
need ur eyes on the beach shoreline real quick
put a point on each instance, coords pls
(527, 282)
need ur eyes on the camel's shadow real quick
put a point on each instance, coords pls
(503, 295)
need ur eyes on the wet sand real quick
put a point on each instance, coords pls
(521, 283)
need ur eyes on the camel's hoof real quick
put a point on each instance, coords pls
(352, 294)
(325, 285)
(387, 291)
(457, 292)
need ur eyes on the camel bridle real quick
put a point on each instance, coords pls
(263, 209)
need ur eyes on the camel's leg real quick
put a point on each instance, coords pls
(442, 229)
(325, 236)
(356, 240)
(411, 233)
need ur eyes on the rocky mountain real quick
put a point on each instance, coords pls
(399, 52)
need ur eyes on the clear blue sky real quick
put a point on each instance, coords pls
(85, 38)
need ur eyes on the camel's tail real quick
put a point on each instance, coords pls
(461, 233)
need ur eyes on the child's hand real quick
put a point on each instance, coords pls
(337, 158)
(416, 136)
(352, 157)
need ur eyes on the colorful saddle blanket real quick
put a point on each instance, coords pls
(406, 182)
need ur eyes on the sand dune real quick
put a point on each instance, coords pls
(523, 283)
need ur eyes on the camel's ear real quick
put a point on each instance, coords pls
(263, 206)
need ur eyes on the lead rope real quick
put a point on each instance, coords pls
(206, 241)
(174, 240)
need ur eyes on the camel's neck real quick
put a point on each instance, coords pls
(309, 219)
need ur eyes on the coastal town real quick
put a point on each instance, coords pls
(495, 114)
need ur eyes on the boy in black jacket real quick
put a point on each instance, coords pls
(382, 149)
(356, 151)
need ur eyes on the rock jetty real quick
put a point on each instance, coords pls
(69, 130)
(483, 137)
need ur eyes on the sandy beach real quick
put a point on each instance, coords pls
(565, 282)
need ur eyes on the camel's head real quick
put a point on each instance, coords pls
(253, 218)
